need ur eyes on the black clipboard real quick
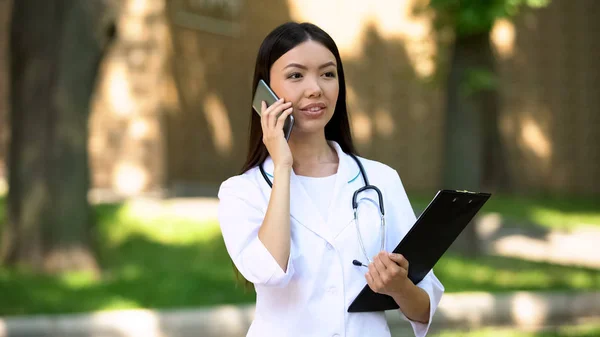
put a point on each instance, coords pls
(435, 230)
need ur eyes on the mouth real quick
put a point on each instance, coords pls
(313, 109)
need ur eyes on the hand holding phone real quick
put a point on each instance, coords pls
(264, 93)
(275, 115)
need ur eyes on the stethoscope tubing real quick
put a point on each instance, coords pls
(367, 186)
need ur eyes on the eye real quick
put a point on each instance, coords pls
(294, 75)
(330, 74)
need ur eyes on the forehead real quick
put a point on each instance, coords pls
(308, 53)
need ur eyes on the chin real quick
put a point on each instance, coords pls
(312, 127)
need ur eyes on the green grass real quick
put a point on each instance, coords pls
(585, 330)
(545, 211)
(151, 258)
(502, 274)
(154, 257)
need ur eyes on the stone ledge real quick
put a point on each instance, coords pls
(464, 310)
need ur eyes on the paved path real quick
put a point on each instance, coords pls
(464, 311)
(580, 246)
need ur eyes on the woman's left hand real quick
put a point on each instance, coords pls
(388, 274)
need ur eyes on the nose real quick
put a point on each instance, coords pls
(313, 88)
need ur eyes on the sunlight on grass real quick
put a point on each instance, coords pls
(155, 255)
(158, 222)
(550, 212)
(559, 218)
(130, 272)
(584, 330)
(485, 333)
(119, 303)
(76, 280)
(506, 274)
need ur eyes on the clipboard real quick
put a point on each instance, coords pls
(435, 230)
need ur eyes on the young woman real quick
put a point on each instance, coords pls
(296, 240)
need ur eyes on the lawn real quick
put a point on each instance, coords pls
(546, 211)
(153, 257)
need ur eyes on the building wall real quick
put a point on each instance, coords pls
(173, 100)
(548, 75)
(551, 98)
(392, 109)
(127, 131)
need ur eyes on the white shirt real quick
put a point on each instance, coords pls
(320, 190)
(312, 296)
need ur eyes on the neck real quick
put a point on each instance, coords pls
(313, 156)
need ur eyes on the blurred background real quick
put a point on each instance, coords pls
(120, 119)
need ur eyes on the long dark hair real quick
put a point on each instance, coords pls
(277, 43)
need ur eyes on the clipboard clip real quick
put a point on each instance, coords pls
(465, 191)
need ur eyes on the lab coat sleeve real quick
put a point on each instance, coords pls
(435, 290)
(241, 213)
(403, 219)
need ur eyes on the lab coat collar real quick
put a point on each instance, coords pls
(347, 167)
(302, 208)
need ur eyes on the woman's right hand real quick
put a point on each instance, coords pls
(273, 136)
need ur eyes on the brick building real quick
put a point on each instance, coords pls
(172, 104)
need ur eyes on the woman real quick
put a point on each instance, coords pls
(296, 241)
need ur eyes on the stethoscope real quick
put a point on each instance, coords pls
(366, 187)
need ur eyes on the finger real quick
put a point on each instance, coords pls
(374, 282)
(393, 271)
(385, 274)
(384, 257)
(268, 116)
(371, 282)
(266, 109)
(275, 112)
(282, 118)
(375, 275)
(400, 260)
(381, 268)
(263, 109)
(274, 106)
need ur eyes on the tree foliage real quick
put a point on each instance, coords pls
(468, 17)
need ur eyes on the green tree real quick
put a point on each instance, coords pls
(474, 152)
(55, 52)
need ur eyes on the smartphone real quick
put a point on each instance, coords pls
(264, 93)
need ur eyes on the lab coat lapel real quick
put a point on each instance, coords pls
(348, 180)
(302, 208)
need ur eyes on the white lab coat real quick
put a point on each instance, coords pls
(312, 296)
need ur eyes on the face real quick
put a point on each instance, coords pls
(307, 76)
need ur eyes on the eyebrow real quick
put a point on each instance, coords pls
(296, 65)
